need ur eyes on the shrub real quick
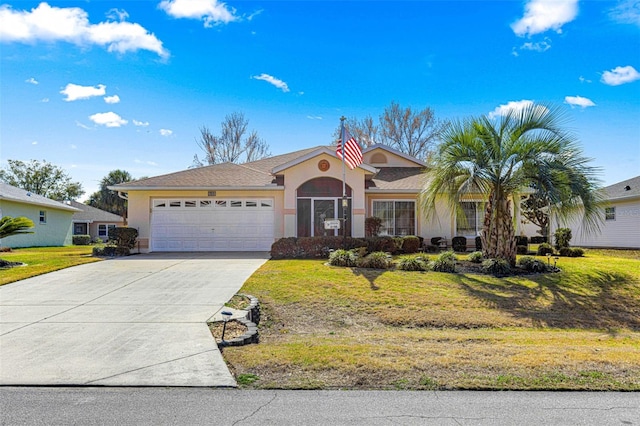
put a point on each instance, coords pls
(544, 249)
(577, 252)
(372, 226)
(459, 244)
(376, 260)
(497, 267)
(343, 257)
(410, 244)
(385, 244)
(475, 257)
(521, 240)
(565, 251)
(445, 262)
(479, 243)
(562, 237)
(522, 249)
(81, 240)
(431, 248)
(413, 263)
(531, 264)
(284, 248)
(538, 239)
(123, 237)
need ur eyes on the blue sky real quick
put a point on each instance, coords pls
(94, 86)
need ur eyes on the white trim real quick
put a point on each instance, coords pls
(270, 187)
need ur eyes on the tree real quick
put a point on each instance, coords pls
(535, 208)
(42, 178)
(500, 158)
(412, 132)
(235, 143)
(108, 200)
(14, 226)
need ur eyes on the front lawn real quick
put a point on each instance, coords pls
(40, 260)
(325, 327)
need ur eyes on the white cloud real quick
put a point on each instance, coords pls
(584, 80)
(211, 12)
(626, 12)
(140, 123)
(150, 163)
(314, 117)
(79, 124)
(118, 14)
(541, 46)
(44, 100)
(272, 80)
(73, 92)
(32, 81)
(579, 101)
(34, 143)
(514, 106)
(71, 24)
(108, 119)
(543, 15)
(72, 146)
(112, 99)
(620, 75)
(166, 132)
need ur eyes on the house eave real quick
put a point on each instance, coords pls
(391, 191)
(197, 188)
(36, 203)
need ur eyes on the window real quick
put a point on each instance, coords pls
(205, 203)
(236, 203)
(469, 223)
(175, 204)
(159, 203)
(190, 203)
(103, 230)
(43, 217)
(610, 213)
(251, 204)
(398, 217)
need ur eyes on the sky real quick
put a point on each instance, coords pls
(94, 86)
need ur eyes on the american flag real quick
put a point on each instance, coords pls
(352, 152)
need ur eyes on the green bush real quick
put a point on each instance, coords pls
(445, 262)
(497, 267)
(285, 248)
(410, 244)
(475, 257)
(385, 244)
(577, 252)
(544, 249)
(521, 240)
(522, 249)
(81, 240)
(413, 263)
(565, 251)
(478, 243)
(341, 257)
(376, 260)
(123, 237)
(372, 226)
(562, 237)
(538, 239)
(531, 264)
(459, 244)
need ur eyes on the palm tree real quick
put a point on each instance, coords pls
(503, 157)
(13, 226)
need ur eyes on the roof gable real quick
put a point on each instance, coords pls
(93, 214)
(392, 157)
(11, 193)
(629, 188)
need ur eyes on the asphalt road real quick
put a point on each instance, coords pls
(207, 406)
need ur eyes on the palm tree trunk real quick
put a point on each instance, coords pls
(497, 236)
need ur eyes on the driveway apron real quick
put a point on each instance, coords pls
(134, 321)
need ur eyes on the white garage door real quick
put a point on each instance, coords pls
(232, 224)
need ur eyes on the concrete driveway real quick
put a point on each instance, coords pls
(133, 321)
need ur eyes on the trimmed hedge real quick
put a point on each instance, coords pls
(459, 244)
(81, 240)
(538, 239)
(544, 249)
(123, 237)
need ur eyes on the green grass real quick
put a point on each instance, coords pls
(328, 327)
(41, 260)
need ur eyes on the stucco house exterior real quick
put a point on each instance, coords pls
(52, 219)
(93, 221)
(621, 227)
(245, 207)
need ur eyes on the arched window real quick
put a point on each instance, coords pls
(378, 158)
(318, 200)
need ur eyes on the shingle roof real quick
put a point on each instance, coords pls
(91, 214)
(11, 193)
(625, 189)
(399, 178)
(258, 174)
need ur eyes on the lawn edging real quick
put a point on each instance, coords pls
(250, 321)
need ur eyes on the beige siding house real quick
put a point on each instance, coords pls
(52, 219)
(94, 222)
(621, 227)
(247, 207)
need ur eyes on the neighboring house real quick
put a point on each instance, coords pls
(52, 219)
(621, 227)
(246, 207)
(93, 221)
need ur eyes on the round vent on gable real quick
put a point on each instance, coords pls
(378, 158)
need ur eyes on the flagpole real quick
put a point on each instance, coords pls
(344, 185)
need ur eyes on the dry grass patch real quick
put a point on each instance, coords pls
(326, 327)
